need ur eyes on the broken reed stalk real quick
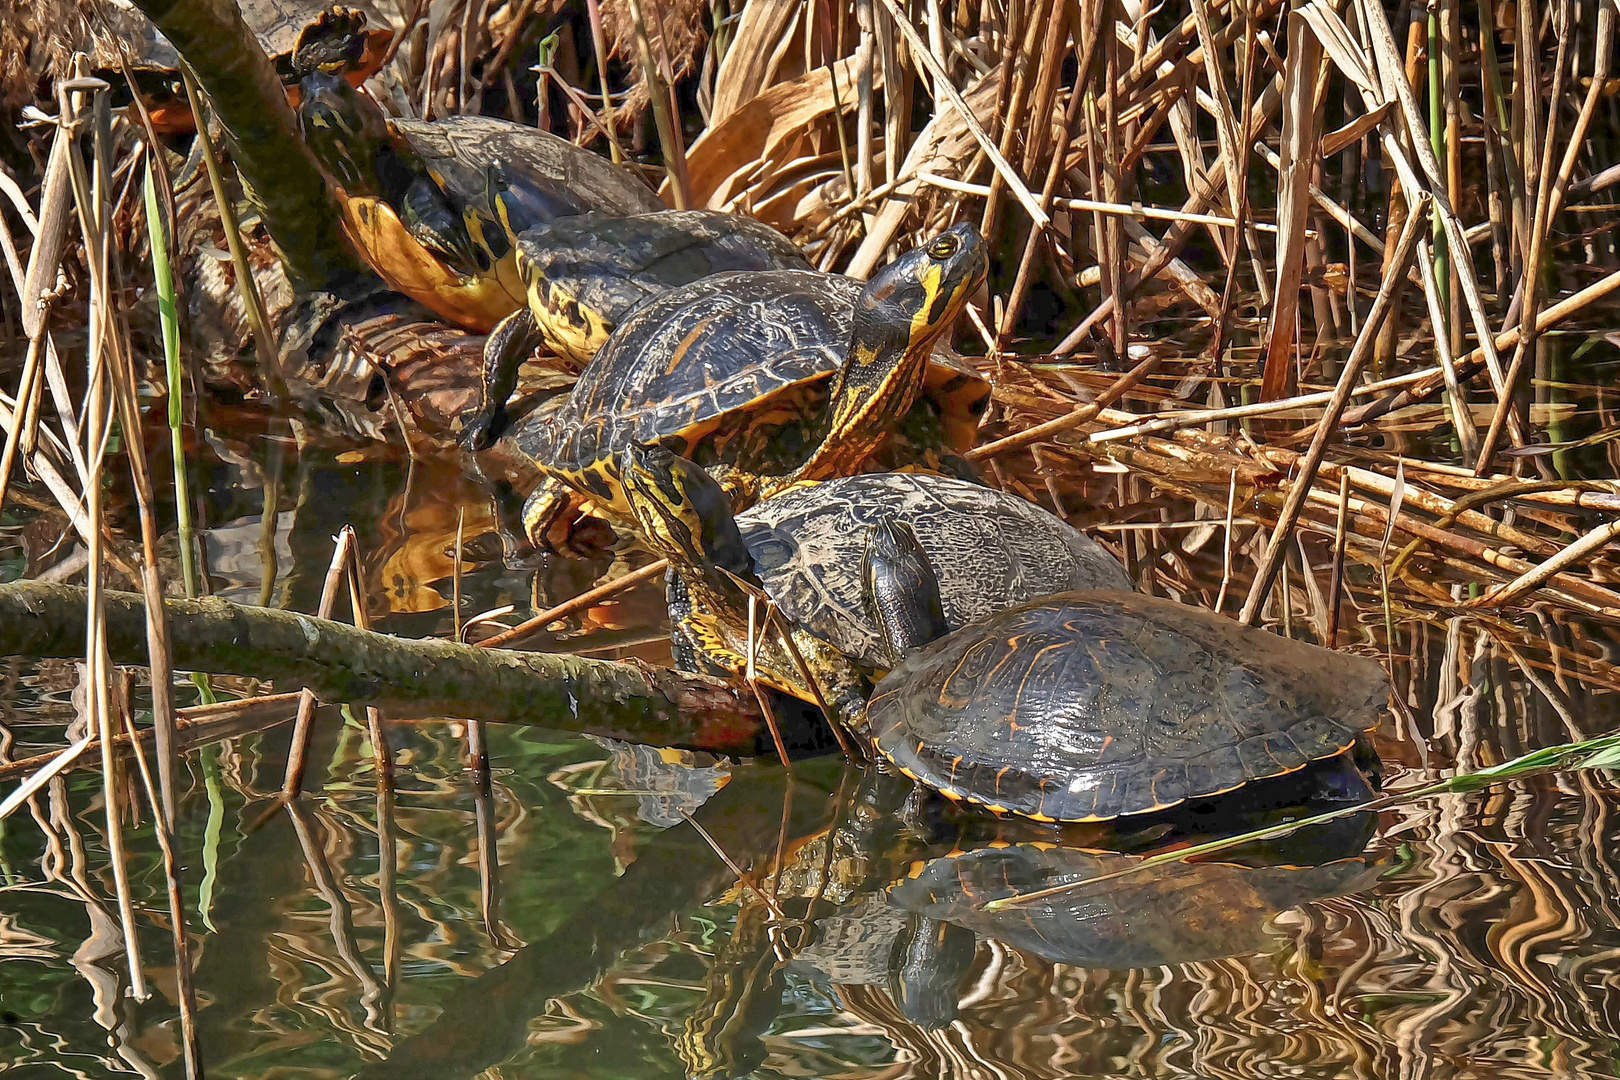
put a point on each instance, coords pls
(382, 757)
(1330, 637)
(532, 626)
(195, 726)
(1328, 427)
(298, 752)
(84, 101)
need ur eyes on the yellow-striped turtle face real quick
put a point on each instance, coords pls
(898, 317)
(682, 512)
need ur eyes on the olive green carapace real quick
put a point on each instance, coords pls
(765, 377)
(988, 549)
(1092, 706)
(584, 274)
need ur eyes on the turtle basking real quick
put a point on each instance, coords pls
(1083, 706)
(154, 64)
(583, 275)
(989, 550)
(801, 550)
(1090, 706)
(767, 378)
(436, 207)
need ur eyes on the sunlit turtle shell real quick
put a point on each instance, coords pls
(733, 368)
(585, 274)
(990, 550)
(1092, 706)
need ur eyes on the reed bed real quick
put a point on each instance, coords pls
(1303, 308)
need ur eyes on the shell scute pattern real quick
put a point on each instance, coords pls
(615, 265)
(478, 157)
(731, 339)
(990, 550)
(1093, 706)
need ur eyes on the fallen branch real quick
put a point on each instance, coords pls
(630, 701)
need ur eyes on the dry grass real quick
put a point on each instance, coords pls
(1272, 300)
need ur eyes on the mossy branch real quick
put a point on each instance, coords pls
(404, 677)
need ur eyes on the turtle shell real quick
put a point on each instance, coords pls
(584, 274)
(725, 347)
(990, 551)
(1092, 706)
(1173, 913)
(517, 177)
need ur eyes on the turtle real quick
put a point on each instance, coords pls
(436, 207)
(767, 377)
(154, 67)
(1168, 913)
(583, 274)
(989, 550)
(1097, 705)
(801, 550)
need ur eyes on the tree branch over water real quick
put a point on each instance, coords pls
(405, 677)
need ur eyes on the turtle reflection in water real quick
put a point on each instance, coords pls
(868, 905)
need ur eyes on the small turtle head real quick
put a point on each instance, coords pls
(927, 287)
(900, 588)
(681, 511)
(345, 130)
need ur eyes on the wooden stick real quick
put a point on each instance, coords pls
(1533, 579)
(297, 753)
(529, 627)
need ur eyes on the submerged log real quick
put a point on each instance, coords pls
(340, 663)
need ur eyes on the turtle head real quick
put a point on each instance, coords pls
(345, 130)
(900, 588)
(682, 512)
(899, 315)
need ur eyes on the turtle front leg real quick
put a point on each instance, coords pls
(514, 339)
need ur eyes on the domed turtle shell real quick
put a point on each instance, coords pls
(990, 551)
(1172, 913)
(518, 177)
(722, 346)
(1092, 706)
(585, 273)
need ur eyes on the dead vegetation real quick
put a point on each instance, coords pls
(1301, 307)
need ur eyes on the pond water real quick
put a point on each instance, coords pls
(571, 920)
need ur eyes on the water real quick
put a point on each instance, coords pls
(569, 923)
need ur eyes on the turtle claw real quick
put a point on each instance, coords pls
(480, 430)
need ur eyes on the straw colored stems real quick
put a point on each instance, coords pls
(1328, 427)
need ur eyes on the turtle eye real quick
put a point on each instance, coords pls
(943, 247)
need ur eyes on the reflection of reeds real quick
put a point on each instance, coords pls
(1487, 580)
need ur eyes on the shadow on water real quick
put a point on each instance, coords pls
(582, 915)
